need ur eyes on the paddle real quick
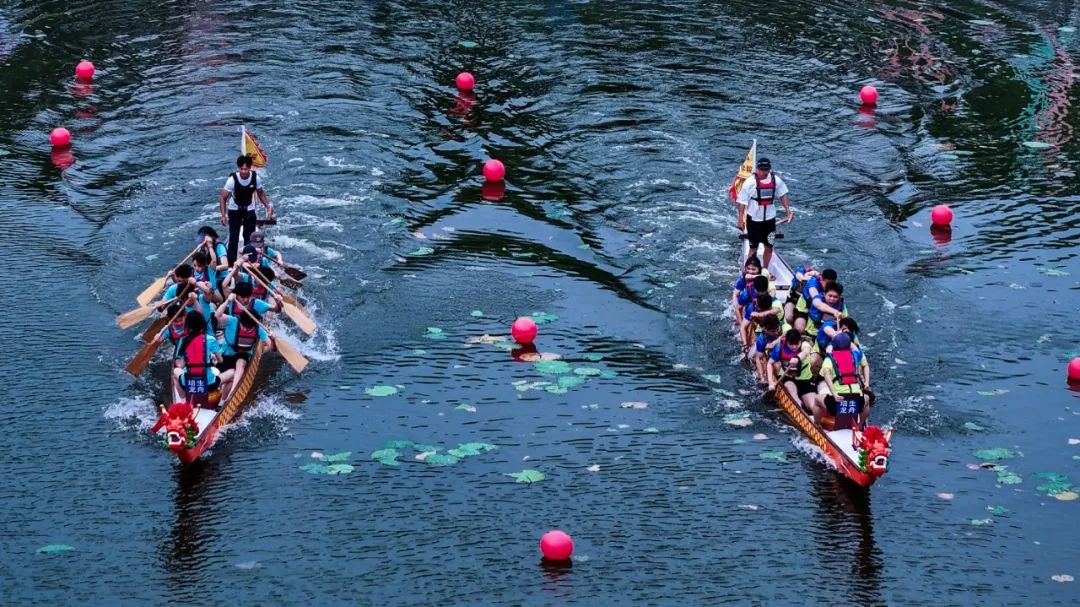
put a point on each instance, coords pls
(272, 221)
(149, 293)
(131, 318)
(295, 272)
(137, 364)
(292, 284)
(289, 304)
(154, 328)
(295, 359)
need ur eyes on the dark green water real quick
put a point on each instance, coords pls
(621, 125)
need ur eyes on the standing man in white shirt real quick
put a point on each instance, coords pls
(757, 208)
(241, 187)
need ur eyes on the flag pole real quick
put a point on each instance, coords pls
(243, 141)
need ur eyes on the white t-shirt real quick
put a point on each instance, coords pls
(230, 186)
(748, 193)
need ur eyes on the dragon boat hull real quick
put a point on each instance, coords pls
(837, 445)
(211, 421)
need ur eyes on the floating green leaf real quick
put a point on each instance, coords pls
(387, 456)
(465, 407)
(440, 459)
(422, 251)
(467, 449)
(1005, 477)
(55, 548)
(337, 457)
(423, 448)
(651, 430)
(738, 441)
(1055, 483)
(542, 318)
(325, 469)
(608, 374)
(435, 333)
(712, 378)
(527, 476)
(398, 444)
(1037, 145)
(993, 455)
(587, 371)
(997, 510)
(571, 381)
(381, 391)
(973, 427)
(981, 521)
(552, 367)
(476, 314)
(556, 389)
(468, 43)
(776, 456)
(593, 357)
(994, 392)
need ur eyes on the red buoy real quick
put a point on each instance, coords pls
(868, 95)
(494, 170)
(60, 137)
(1074, 369)
(556, 545)
(465, 81)
(523, 330)
(941, 215)
(84, 71)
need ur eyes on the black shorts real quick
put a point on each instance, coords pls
(852, 404)
(757, 232)
(228, 361)
(793, 297)
(805, 386)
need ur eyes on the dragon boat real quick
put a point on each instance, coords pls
(861, 456)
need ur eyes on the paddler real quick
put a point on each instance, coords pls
(812, 286)
(757, 207)
(194, 375)
(239, 192)
(751, 270)
(843, 383)
(241, 333)
(175, 331)
(768, 339)
(790, 366)
(258, 240)
(219, 253)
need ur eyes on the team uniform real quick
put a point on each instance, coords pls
(844, 366)
(239, 342)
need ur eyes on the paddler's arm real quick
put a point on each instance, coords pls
(864, 368)
(220, 312)
(826, 308)
(787, 207)
(230, 279)
(277, 302)
(195, 303)
(827, 375)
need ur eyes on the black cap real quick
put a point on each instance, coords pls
(763, 163)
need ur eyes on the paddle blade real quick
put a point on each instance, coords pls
(134, 317)
(292, 284)
(138, 364)
(154, 329)
(295, 359)
(296, 273)
(266, 222)
(151, 292)
(306, 324)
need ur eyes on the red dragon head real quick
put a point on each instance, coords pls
(179, 424)
(873, 446)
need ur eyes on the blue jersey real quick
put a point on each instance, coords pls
(232, 326)
(763, 340)
(261, 307)
(269, 252)
(795, 278)
(814, 282)
(782, 351)
(207, 312)
(741, 283)
(815, 314)
(823, 338)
